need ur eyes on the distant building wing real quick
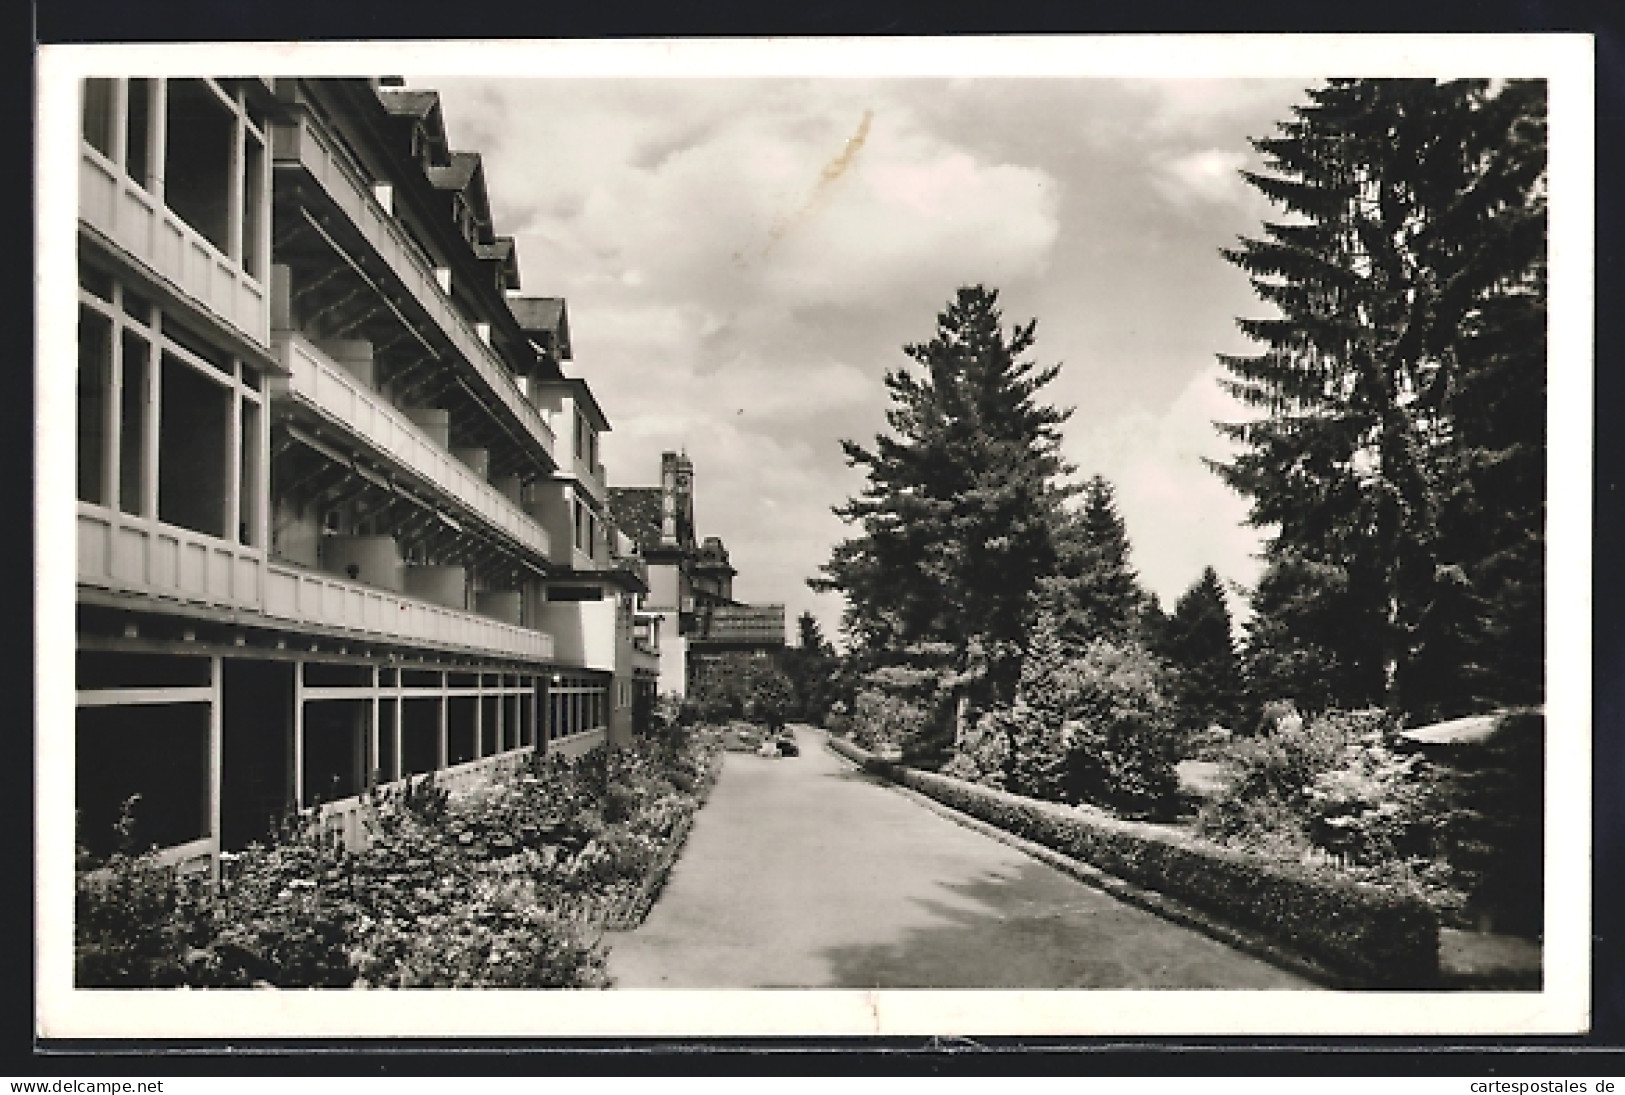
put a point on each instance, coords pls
(746, 625)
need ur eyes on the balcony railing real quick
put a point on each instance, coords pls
(311, 597)
(139, 555)
(142, 555)
(147, 231)
(301, 144)
(351, 406)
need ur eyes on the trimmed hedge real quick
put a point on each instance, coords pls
(1377, 937)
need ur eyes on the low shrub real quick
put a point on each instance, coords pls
(506, 886)
(1376, 936)
(880, 718)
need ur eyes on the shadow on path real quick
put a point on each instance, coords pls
(1031, 927)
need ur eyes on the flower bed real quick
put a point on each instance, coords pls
(1374, 936)
(508, 885)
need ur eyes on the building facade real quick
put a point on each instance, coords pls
(340, 516)
(690, 602)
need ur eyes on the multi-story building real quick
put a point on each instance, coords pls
(340, 514)
(690, 597)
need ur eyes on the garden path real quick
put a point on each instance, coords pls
(803, 872)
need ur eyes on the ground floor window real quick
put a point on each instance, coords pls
(290, 733)
(155, 757)
(576, 705)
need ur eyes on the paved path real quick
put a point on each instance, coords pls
(804, 873)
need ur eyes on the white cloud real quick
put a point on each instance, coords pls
(1180, 516)
(743, 259)
(1205, 177)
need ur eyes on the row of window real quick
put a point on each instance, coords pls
(168, 426)
(155, 742)
(195, 146)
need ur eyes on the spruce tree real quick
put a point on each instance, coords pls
(1197, 643)
(1416, 228)
(811, 666)
(954, 524)
(1094, 592)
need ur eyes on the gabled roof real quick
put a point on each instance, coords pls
(465, 175)
(421, 105)
(501, 250)
(546, 320)
(409, 103)
(458, 173)
(581, 392)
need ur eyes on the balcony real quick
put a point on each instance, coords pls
(141, 555)
(168, 249)
(300, 145)
(315, 381)
(136, 555)
(311, 597)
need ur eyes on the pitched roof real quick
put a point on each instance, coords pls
(761, 625)
(546, 317)
(636, 511)
(408, 103)
(457, 174)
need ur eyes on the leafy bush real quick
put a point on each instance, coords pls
(1270, 798)
(1371, 935)
(771, 699)
(880, 718)
(1373, 805)
(1121, 740)
(132, 924)
(502, 886)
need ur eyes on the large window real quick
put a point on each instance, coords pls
(95, 389)
(200, 130)
(169, 426)
(197, 144)
(150, 761)
(99, 114)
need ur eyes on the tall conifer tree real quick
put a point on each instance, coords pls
(1094, 592)
(955, 520)
(1198, 645)
(1410, 271)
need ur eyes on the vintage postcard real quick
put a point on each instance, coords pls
(1051, 536)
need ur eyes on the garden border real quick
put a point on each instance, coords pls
(637, 908)
(1250, 940)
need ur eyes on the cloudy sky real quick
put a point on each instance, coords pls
(745, 258)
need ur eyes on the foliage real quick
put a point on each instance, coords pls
(1398, 449)
(1269, 799)
(771, 699)
(502, 886)
(718, 686)
(1493, 831)
(1372, 806)
(1369, 935)
(1197, 644)
(811, 665)
(132, 917)
(1122, 742)
(1093, 592)
(883, 718)
(1095, 726)
(955, 521)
